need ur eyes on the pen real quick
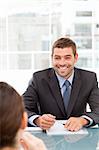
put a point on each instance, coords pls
(44, 131)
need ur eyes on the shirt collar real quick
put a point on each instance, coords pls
(62, 80)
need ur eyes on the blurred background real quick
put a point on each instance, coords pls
(28, 29)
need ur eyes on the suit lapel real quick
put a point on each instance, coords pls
(74, 92)
(54, 86)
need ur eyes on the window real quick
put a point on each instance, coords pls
(28, 28)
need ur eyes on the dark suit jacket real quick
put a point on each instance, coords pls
(43, 95)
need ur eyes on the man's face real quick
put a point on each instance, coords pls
(63, 61)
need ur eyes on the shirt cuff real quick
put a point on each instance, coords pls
(89, 119)
(32, 118)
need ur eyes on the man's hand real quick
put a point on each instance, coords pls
(45, 121)
(75, 123)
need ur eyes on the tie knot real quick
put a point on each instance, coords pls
(67, 83)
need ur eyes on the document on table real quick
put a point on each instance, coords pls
(58, 129)
(30, 129)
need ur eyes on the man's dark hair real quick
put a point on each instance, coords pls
(63, 43)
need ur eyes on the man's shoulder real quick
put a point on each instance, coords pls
(44, 71)
(84, 71)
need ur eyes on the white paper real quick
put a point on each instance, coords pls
(33, 129)
(58, 129)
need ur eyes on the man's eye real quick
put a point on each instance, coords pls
(56, 58)
(68, 58)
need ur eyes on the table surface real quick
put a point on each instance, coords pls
(88, 141)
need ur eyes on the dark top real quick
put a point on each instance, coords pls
(43, 95)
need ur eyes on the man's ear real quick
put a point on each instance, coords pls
(24, 121)
(76, 57)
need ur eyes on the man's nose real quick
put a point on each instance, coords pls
(62, 62)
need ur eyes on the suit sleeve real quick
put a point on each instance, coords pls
(94, 103)
(31, 98)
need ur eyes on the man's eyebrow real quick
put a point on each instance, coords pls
(57, 55)
(64, 55)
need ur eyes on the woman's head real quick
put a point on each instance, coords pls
(11, 114)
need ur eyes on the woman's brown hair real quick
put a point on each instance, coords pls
(11, 113)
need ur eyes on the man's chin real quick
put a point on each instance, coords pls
(62, 74)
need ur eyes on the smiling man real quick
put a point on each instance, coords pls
(63, 91)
